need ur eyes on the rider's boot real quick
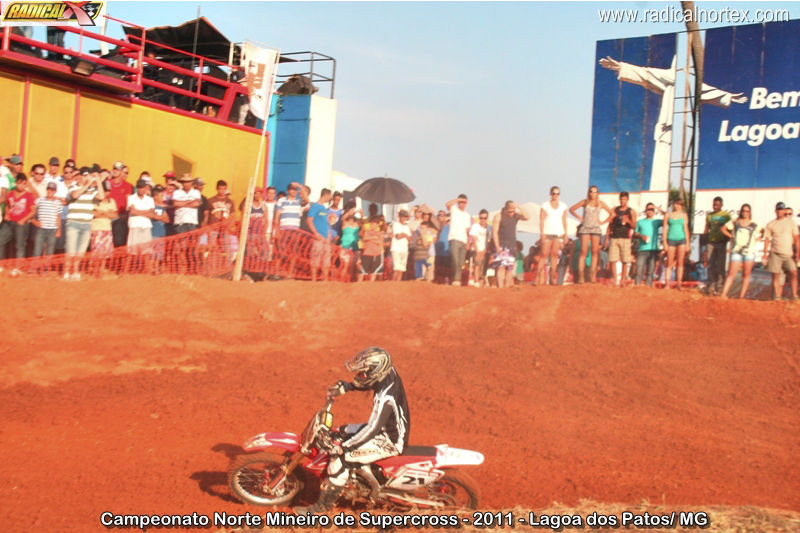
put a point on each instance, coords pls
(328, 495)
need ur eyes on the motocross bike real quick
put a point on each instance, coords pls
(422, 477)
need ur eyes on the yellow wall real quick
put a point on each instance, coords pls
(110, 130)
(12, 92)
(51, 114)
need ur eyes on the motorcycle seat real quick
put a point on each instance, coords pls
(420, 451)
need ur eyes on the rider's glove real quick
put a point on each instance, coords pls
(338, 388)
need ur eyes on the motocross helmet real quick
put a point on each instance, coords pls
(371, 366)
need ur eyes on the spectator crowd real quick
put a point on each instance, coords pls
(70, 209)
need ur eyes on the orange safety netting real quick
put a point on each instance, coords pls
(208, 251)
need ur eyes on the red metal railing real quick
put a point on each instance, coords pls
(132, 75)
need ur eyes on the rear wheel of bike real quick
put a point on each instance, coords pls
(456, 490)
(251, 477)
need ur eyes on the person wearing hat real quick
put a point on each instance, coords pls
(779, 237)
(145, 175)
(52, 171)
(186, 201)
(12, 167)
(47, 221)
(141, 211)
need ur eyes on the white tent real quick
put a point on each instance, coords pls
(531, 225)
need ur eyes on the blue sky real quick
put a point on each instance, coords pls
(492, 99)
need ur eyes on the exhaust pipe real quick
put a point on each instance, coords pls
(402, 497)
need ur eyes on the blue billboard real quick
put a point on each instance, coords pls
(634, 93)
(754, 143)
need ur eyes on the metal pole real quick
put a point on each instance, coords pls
(194, 45)
(333, 78)
(699, 68)
(196, 30)
(103, 44)
(684, 137)
(248, 201)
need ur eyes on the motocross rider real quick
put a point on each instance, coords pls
(384, 435)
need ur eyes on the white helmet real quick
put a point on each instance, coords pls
(371, 366)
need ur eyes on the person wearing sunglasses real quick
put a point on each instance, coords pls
(553, 224)
(648, 231)
(479, 233)
(590, 231)
(743, 234)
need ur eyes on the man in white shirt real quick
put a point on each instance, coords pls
(401, 236)
(38, 184)
(460, 222)
(186, 201)
(141, 209)
(479, 233)
(269, 219)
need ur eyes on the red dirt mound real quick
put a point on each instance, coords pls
(129, 395)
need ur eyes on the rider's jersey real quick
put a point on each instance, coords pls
(389, 415)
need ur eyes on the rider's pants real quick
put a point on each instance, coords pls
(377, 448)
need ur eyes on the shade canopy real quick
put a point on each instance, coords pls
(210, 42)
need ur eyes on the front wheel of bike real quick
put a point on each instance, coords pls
(258, 479)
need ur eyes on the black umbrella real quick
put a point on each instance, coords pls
(384, 191)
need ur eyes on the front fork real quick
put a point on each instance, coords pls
(287, 468)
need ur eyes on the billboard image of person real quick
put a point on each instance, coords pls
(632, 113)
(642, 125)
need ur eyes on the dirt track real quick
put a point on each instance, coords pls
(128, 395)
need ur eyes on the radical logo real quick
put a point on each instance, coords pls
(51, 13)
